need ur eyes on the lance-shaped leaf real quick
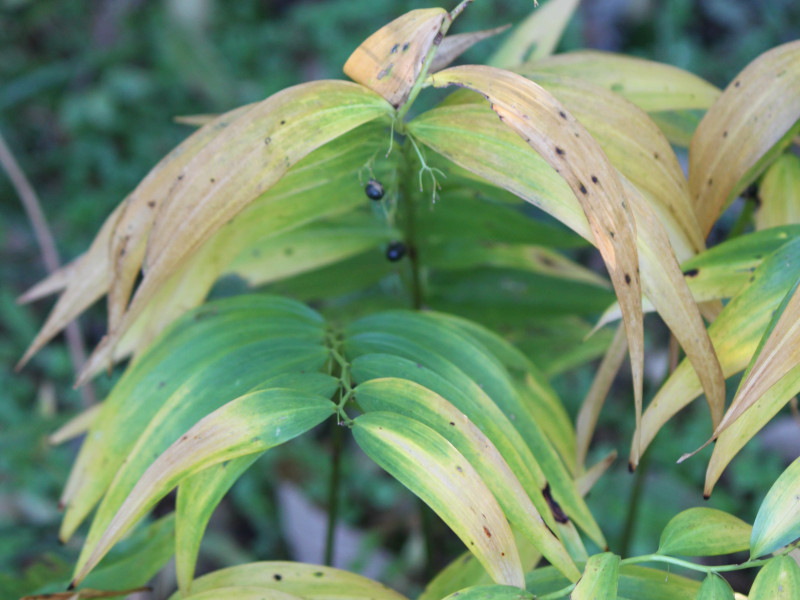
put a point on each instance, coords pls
(190, 348)
(422, 339)
(310, 582)
(491, 592)
(779, 194)
(564, 143)
(777, 355)
(652, 86)
(434, 470)
(537, 36)
(391, 60)
(749, 424)
(724, 270)
(454, 46)
(735, 334)
(245, 592)
(751, 116)
(704, 532)
(778, 520)
(715, 588)
(414, 401)
(238, 165)
(599, 579)
(250, 424)
(779, 579)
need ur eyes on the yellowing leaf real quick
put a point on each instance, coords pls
(751, 116)
(310, 582)
(778, 520)
(599, 580)
(390, 61)
(779, 194)
(779, 579)
(563, 142)
(537, 36)
(249, 424)
(434, 470)
(704, 532)
(652, 86)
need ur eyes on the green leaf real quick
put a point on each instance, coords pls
(199, 494)
(778, 520)
(599, 580)
(725, 269)
(434, 470)
(249, 424)
(779, 193)
(463, 571)
(491, 592)
(715, 588)
(652, 86)
(779, 579)
(310, 582)
(704, 532)
(416, 402)
(537, 36)
(180, 365)
(678, 126)
(420, 338)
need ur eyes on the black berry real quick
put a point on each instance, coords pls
(395, 251)
(374, 189)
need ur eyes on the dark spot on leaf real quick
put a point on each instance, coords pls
(691, 272)
(212, 180)
(725, 133)
(267, 141)
(277, 577)
(283, 121)
(405, 47)
(452, 423)
(560, 151)
(594, 179)
(438, 39)
(710, 181)
(486, 531)
(582, 188)
(627, 279)
(180, 177)
(737, 83)
(459, 469)
(152, 204)
(384, 72)
(161, 384)
(611, 233)
(394, 49)
(655, 155)
(318, 574)
(562, 114)
(558, 514)
(631, 468)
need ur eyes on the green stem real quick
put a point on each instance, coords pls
(333, 491)
(750, 564)
(408, 196)
(633, 506)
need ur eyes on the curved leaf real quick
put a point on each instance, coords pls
(415, 401)
(778, 520)
(310, 582)
(434, 470)
(491, 592)
(715, 588)
(779, 579)
(779, 193)
(390, 61)
(652, 86)
(599, 579)
(537, 36)
(564, 143)
(453, 46)
(751, 116)
(235, 168)
(250, 424)
(704, 532)
(245, 592)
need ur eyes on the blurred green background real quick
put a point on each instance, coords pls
(88, 92)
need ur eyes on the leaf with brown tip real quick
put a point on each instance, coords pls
(751, 116)
(390, 61)
(564, 143)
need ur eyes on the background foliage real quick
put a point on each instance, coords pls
(87, 94)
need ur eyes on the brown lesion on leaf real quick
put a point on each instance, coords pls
(582, 188)
(394, 49)
(384, 72)
(555, 509)
(438, 39)
(405, 47)
(627, 279)
(486, 531)
(595, 179)
(562, 114)
(691, 272)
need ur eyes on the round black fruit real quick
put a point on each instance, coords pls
(374, 189)
(395, 251)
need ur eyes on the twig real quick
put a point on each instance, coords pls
(47, 246)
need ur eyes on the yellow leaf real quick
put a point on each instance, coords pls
(779, 194)
(564, 143)
(390, 61)
(752, 115)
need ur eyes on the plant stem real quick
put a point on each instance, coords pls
(750, 564)
(408, 195)
(333, 491)
(633, 506)
(33, 208)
